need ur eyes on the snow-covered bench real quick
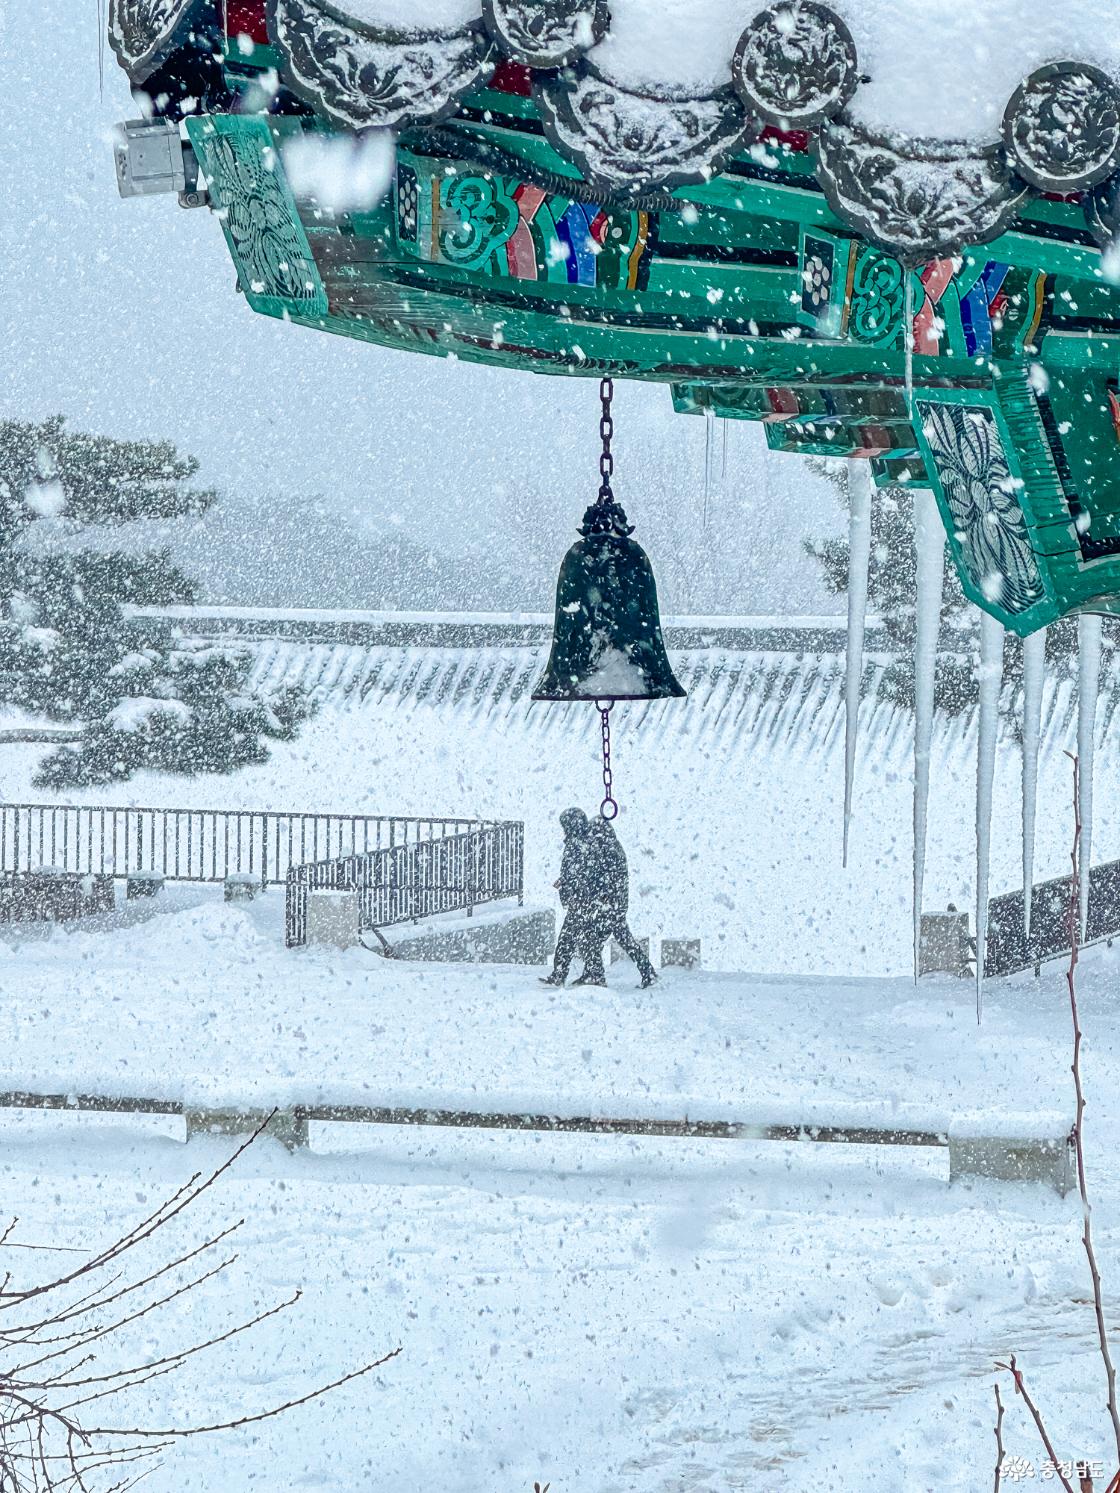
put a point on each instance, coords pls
(1007, 1147)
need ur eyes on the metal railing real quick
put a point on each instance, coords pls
(397, 884)
(201, 844)
(1010, 950)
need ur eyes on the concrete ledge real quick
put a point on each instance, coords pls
(944, 944)
(1007, 1158)
(680, 953)
(288, 1126)
(50, 895)
(1013, 1159)
(241, 886)
(143, 884)
(507, 936)
(333, 919)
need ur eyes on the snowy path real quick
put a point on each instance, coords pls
(201, 1002)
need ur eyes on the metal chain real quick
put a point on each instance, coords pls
(606, 430)
(608, 808)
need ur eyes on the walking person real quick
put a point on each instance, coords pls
(608, 877)
(574, 888)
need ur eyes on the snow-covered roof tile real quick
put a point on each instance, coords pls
(942, 114)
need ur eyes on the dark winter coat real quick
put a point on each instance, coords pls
(573, 883)
(607, 876)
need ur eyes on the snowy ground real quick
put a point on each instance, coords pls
(196, 999)
(732, 800)
(615, 1315)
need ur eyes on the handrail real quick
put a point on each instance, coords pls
(1008, 947)
(200, 845)
(402, 883)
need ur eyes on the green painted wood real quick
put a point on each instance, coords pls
(247, 184)
(751, 300)
(900, 472)
(745, 186)
(256, 57)
(967, 445)
(843, 441)
(1083, 349)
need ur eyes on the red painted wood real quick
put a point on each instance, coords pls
(246, 18)
(795, 140)
(512, 77)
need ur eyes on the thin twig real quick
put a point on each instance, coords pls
(92, 1334)
(1020, 1388)
(252, 1420)
(176, 1357)
(97, 1302)
(186, 1195)
(999, 1440)
(1086, 1208)
(44, 1447)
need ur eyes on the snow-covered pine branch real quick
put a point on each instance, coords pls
(69, 650)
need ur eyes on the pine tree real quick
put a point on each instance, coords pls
(142, 695)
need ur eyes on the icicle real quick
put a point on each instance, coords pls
(859, 556)
(1034, 674)
(991, 677)
(709, 458)
(929, 549)
(1088, 679)
(725, 424)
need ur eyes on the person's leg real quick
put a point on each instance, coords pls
(591, 948)
(565, 948)
(630, 945)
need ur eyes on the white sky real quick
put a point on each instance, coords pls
(123, 315)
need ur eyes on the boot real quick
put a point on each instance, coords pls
(552, 979)
(649, 978)
(586, 979)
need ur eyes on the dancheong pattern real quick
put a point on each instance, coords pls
(960, 307)
(515, 228)
(978, 486)
(259, 214)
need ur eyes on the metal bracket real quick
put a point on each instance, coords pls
(151, 157)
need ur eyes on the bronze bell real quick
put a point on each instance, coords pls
(606, 640)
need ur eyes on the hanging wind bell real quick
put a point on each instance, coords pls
(606, 640)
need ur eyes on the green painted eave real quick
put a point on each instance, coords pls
(767, 181)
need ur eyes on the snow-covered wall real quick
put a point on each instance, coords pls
(732, 799)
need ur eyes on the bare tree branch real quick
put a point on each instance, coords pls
(1078, 1124)
(252, 1420)
(1020, 1388)
(999, 1440)
(187, 1194)
(44, 1448)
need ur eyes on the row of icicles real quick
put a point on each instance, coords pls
(929, 543)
